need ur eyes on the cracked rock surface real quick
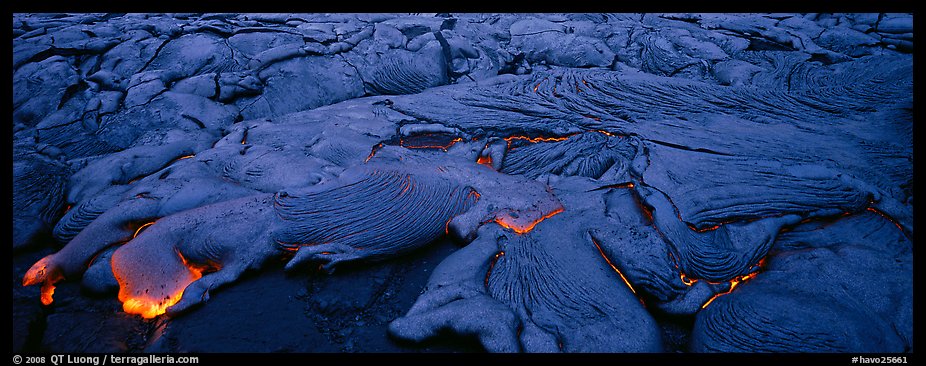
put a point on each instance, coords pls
(218, 182)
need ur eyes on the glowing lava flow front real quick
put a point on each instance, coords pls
(148, 309)
(40, 273)
(151, 307)
(48, 291)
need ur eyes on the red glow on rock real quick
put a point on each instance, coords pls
(523, 229)
(884, 215)
(492, 266)
(647, 212)
(674, 262)
(703, 230)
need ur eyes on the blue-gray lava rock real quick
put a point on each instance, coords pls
(611, 182)
(856, 286)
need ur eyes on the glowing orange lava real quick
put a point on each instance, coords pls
(373, 152)
(536, 139)
(48, 290)
(712, 300)
(884, 215)
(608, 260)
(140, 228)
(151, 307)
(735, 282)
(687, 281)
(406, 185)
(522, 229)
(442, 147)
(710, 228)
(39, 273)
(485, 160)
(533, 140)
(647, 212)
(619, 185)
(491, 266)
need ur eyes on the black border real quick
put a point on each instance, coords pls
(20, 6)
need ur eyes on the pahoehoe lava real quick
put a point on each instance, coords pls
(603, 178)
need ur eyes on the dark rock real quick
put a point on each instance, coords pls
(28, 312)
(302, 83)
(99, 278)
(42, 87)
(38, 196)
(269, 318)
(89, 332)
(403, 72)
(192, 54)
(735, 72)
(545, 41)
(848, 41)
(389, 35)
(895, 24)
